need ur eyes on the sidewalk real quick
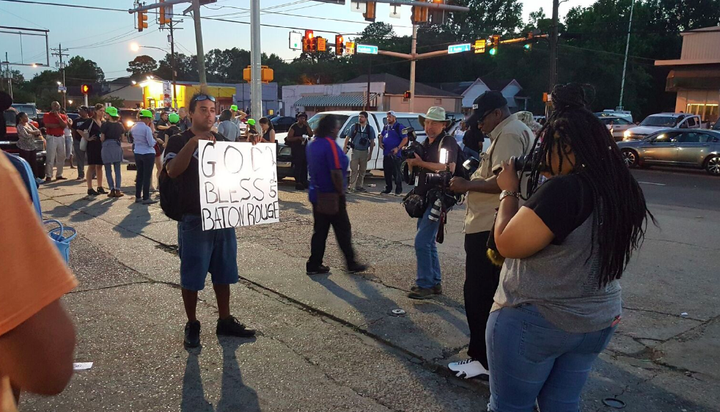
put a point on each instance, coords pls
(327, 342)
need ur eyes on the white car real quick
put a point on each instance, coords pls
(616, 125)
(660, 121)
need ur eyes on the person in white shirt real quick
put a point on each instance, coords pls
(144, 148)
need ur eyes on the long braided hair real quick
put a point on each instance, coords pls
(620, 212)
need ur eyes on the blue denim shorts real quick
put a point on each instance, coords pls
(213, 251)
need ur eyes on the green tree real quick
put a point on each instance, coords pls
(142, 65)
(484, 18)
(80, 70)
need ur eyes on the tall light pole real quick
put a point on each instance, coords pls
(554, 45)
(199, 45)
(255, 61)
(627, 49)
(413, 51)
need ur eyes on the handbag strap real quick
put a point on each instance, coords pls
(333, 147)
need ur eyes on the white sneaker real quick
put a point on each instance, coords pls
(468, 368)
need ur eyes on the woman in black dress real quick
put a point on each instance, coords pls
(267, 131)
(94, 152)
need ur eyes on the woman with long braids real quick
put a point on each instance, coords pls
(559, 300)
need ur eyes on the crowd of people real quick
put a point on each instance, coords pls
(552, 218)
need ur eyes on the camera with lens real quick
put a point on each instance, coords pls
(411, 150)
(409, 132)
(441, 179)
(524, 162)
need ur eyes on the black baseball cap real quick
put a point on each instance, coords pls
(301, 114)
(485, 103)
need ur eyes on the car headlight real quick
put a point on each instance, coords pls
(129, 123)
(627, 134)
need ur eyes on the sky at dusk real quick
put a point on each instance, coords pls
(105, 36)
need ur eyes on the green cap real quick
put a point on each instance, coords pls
(173, 117)
(146, 113)
(233, 108)
(251, 122)
(112, 111)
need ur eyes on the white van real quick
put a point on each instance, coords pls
(348, 118)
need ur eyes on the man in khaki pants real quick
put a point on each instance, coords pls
(361, 139)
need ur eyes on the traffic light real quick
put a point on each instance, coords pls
(320, 44)
(527, 46)
(142, 20)
(493, 42)
(86, 89)
(339, 45)
(308, 41)
(419, 15)
(370, 11)
(406, 95)
(165, 14)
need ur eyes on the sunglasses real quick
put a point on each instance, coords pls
(202, 97)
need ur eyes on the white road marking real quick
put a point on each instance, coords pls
(651, 183)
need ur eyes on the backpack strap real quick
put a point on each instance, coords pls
(333, 148)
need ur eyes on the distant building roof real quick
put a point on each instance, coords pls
(461, 87)
(398, 85)
(344, 100)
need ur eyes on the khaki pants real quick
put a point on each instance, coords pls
(358, 166)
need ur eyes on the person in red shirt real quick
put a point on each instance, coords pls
(55, 124)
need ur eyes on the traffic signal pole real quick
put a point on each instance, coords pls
(255, 61)
(413, 52)
(199, 45)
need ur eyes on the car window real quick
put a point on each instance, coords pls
(691, 122)
(10, 117)
(621, 121)
(348, 127)
(664, 137)
(689, 137)
(659, 121)
(412, 122)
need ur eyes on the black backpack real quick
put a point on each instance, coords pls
(170, 196)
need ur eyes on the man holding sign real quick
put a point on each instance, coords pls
(201, 251)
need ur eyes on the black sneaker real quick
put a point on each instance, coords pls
(437, 289)
(320, 270)
(421, 293)
(101, 191)
(92, 192)
(398, 193)
(357, 268)
(360, 189)
(385, 192)
(231, 327)
(60, 178)
(192, 334)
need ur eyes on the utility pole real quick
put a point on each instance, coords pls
(255, 61)
(413, 51)
(367, 100)
(172, 62)
(199, 44)
(554, 45)
(6, 73)
(627, 49)
(59, 52)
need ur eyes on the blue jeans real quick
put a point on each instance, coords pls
(144, 163)
(428, 263)
(108, 174)
(531, 359)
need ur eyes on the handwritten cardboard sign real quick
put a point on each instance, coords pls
(238, 184)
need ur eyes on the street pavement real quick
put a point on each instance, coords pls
(331, 343)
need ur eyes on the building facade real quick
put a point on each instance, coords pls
(695, 76)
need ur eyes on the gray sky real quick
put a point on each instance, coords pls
(105, 36)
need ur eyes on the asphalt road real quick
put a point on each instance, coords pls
(330, 343)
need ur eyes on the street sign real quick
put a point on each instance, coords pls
(295, 40)
(459, 48)
(480, 46)
(62, 89)
(366, 49)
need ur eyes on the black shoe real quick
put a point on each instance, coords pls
(360, 189)
(398, 193)
(437, 289)
(231, 327)
(92, 192)
(192, 334)
(101, 191)
(60, 178)
(421, 293)
(357, 268)
(320, 270)
(386, 192)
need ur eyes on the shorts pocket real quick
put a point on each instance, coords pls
(540, 343)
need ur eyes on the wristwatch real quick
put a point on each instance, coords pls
(506, 193)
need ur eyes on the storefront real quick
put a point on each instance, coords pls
(158, 93)
(695, 77)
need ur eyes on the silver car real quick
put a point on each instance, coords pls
(675, 147)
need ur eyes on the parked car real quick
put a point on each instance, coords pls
(616, 125)
(128, 117)
(282, 123)
(661, 121)
(699, 149)
(625, 114)
(11, 138)
(377, 120)
(29, 108)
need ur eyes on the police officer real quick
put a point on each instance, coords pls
(297, 138)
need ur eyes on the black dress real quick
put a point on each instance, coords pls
(94, 147)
